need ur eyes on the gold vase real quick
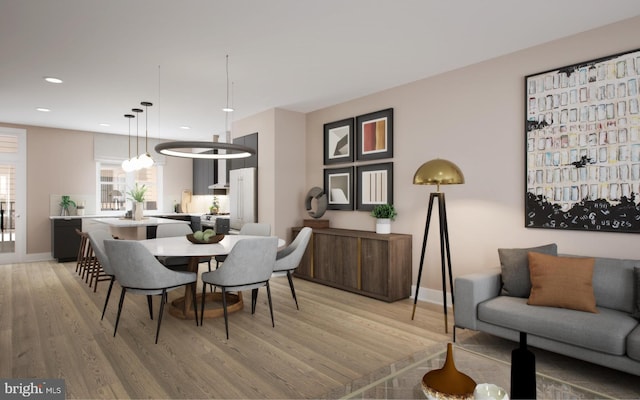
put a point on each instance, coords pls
(447, 382)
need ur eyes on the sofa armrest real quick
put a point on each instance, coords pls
(471, 290)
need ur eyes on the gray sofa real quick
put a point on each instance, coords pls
(610, 337)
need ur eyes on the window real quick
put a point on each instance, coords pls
(8, 145)
(114, 184)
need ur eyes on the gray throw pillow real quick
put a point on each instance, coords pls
(636, 307)
(514, 263)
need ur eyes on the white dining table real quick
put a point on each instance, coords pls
(180, 246)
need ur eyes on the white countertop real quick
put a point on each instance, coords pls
(102, 216)
(146, 221)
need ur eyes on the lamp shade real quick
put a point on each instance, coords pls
(438, 172)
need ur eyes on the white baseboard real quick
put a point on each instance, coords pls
(430, 295)
(35, 257)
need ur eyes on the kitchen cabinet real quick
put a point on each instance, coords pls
(65, 241)
(362, 262)
(250, 141)
(205, 173)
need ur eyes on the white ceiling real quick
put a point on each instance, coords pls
(300, 55)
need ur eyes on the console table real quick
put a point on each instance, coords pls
(362, 262)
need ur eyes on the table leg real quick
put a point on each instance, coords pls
(183, 307)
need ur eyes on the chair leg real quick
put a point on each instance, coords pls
(162, 301)
(79, 262)
(89, 265)
(293, 290)
(224, 307)
(150, 303)
(204, 292)
(254, 300)
(273, 324)
(195, 303)
(106, 300)
(212, 289)
(119, 310)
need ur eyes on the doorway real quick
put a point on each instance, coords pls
(12, 195)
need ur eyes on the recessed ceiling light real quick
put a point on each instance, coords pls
(105, 124)
(227, 109)
(52, 79)
(186, 128)
(43, 109)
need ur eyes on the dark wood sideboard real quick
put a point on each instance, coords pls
(362, 262)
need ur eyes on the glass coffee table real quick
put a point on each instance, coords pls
(402, 380)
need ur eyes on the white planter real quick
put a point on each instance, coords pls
(383, 225)
(138, 211)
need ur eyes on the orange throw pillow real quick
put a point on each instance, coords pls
(564, 282)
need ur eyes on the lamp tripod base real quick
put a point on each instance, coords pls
(445, 254)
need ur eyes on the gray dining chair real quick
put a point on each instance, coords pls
(97, 238)
(288, 259)
(248, 266)
(138, 271)
(250, 228)
(173, 230)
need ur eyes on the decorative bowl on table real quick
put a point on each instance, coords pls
(212, 239)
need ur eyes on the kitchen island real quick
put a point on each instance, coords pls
(125, 228)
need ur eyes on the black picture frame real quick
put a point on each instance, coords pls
(375, 185)
(338, 141)
(338, 185)
(374, 135)
(582, 146)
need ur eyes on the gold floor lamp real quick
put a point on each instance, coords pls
(438, 172)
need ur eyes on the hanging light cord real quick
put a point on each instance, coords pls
(129, 118)
(137, 134)
(137, 111)
(227, 82)
(146, 127)
(158, 100)
(228, 109)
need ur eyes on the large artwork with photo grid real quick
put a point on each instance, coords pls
(582, 127)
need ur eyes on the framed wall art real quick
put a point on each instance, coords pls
(582, 127)
(374, 133)
(338, 185)
(375, 185)
(338, 142)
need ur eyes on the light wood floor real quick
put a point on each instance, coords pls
(50, 327)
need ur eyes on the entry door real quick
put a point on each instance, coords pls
(12, 195)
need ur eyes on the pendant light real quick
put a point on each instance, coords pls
(186, 149)
(145, 159)
(126, 164)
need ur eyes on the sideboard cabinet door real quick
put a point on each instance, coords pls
(335, 258)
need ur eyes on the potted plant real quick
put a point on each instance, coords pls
(215, 207)
(137, 196)
(384, 214)
(65, 204)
